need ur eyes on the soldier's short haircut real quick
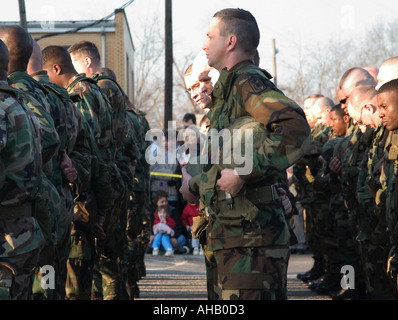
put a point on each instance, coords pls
(389, 86)
(86, 49)
(57, 55)
(243, 25)
(364, 77)
(339, 110)
(19, 43)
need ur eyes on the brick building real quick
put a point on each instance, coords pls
(112, 37)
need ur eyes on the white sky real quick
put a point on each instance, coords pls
(290, 22)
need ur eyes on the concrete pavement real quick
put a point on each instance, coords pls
(183, 277)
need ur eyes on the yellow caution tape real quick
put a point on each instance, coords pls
(164, 174)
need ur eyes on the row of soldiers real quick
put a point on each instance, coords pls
(74, 192)
(346, 184)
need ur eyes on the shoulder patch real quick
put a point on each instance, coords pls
(259, 84)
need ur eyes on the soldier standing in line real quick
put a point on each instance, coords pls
(20, 165)
(306, 171)
(245, 231)
(20, 46)
(86, 59)
(387, 100)
(352, 151)
(73, 166)
(95, 198)
(138, 193)
(373, 233)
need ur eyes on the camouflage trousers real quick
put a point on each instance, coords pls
(107, 273)
(137, 239)
(21, 241)
(80, 265)
(253, 273)
(47, 255)
(375, 248)
(16, 276)
(107, 277)
(63, 242)
(213, 292)
(317, 219)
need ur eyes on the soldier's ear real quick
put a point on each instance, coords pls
(371, 107)
(87, 62)
(231, 42)
(57, 69)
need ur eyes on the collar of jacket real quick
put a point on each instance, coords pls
(226, 78)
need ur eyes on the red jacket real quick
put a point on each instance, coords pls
(169, 221)
(188, 213)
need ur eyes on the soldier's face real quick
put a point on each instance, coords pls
(339, 125)
(215, 45)
(388, 109)
(78, 63)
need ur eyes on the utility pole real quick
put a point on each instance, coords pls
(22, 14)
(168, 94)
(274, 52)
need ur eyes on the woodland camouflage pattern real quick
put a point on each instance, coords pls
(20, 162)
(257, 233)
(287, 141)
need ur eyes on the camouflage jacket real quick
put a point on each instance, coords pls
(20, 162)
(74, 138)
(142, 171)
(40, 106)
(370, 168)
(353, 148)
(245, 90)
(387, 195)
(117, 100)
(19, 154)
(96, 109)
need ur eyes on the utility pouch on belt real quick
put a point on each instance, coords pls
(198, 230)
(247, 203)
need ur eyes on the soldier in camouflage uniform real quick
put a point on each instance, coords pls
(20, 46)
(93, 199)
(315, 202)
(372, 234)
(136, 178)
(387, 100)
(21, 238)
(73, 166)
(138, 222)
(352, 152)
(250, 243)
(86, 59)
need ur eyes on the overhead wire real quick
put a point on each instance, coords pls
(85, 26)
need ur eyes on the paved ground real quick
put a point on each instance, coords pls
(182, 277)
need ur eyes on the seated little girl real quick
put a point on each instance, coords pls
(163, 226)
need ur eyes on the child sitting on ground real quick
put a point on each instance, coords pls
(190, 211)
(163, 226)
